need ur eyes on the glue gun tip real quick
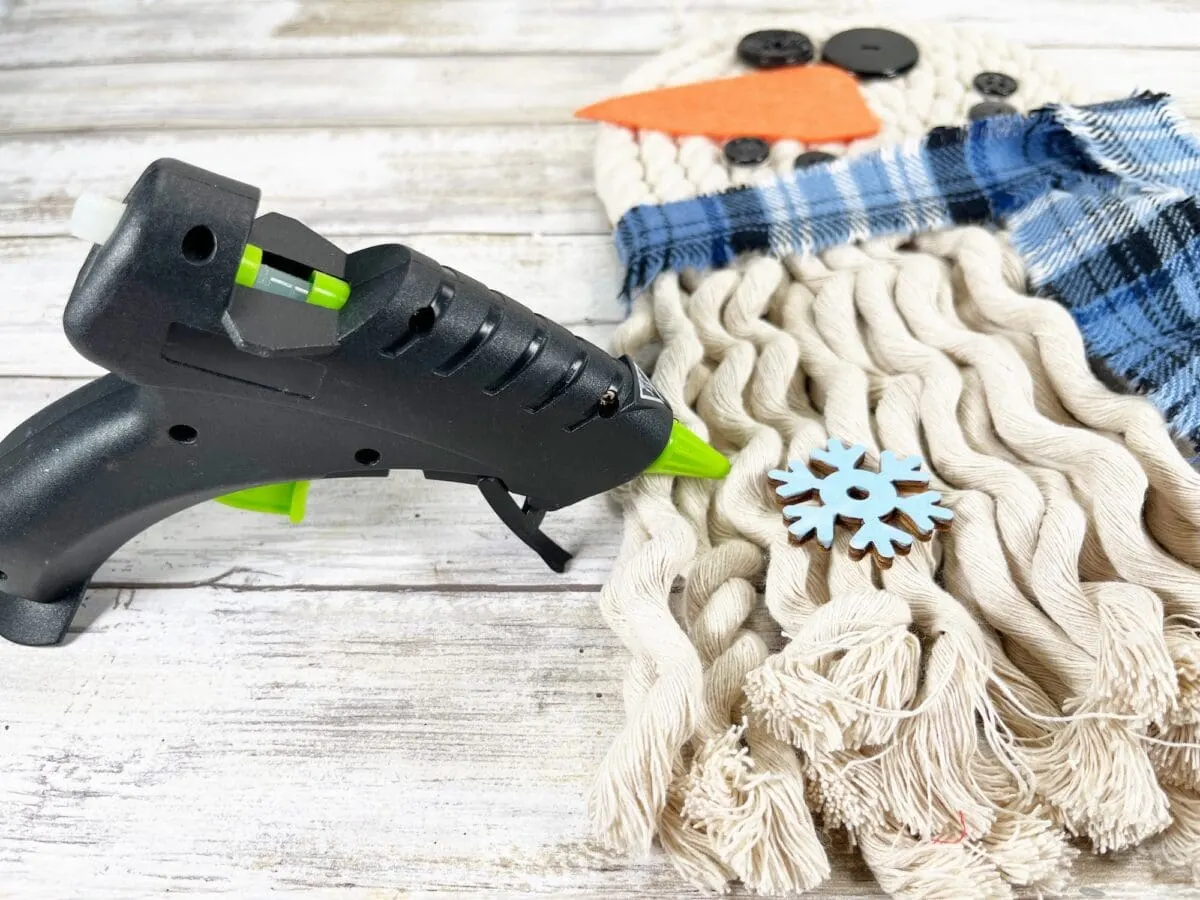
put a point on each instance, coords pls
(687, 455)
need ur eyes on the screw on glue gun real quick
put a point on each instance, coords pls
(247, 355)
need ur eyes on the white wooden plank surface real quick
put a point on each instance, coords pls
(387, 91)
(381, 181)
(371, 744)
(389, 699)
(69, 32)
(364, 741)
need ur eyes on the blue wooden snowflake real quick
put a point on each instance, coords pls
(873, 503)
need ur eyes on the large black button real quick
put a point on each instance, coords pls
(871, 52)
(812, 158)
(747, 151)
(775, 47)
(995, 84)
(989, 108)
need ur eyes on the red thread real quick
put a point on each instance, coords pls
(962, 820)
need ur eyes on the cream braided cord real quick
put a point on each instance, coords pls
(1175, 485)
(974, 573)
(748, 789)
(896, 777)
(630, 791)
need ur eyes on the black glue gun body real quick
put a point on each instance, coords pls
(245, 351)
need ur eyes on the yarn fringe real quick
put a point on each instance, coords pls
(755, 818)
(1098, 775)
(906, 867)
(687, 848)
(1135, 673)
(1177, 850)
(1030, 852)
(841, 680)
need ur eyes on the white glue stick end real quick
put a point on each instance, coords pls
(94, 218)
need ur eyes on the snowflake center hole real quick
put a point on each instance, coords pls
(858, 493)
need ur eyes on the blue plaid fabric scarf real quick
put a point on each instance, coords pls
(1101, 202)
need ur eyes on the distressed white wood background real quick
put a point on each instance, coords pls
(393, 699)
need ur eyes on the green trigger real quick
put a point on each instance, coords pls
(287, 498)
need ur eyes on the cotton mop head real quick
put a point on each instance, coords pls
(947, 710)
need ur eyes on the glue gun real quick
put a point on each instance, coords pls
(248, 355)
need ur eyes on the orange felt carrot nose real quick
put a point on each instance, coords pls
(812, 104)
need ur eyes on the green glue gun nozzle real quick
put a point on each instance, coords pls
(247, 355)
(689, 456)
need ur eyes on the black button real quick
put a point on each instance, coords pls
(775, 47)
(812, 158)
(747, 151)
(989, 108)
(995, 84)
(871, 52)
(944, 135)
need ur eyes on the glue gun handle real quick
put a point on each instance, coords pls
(99, 466)
(95, 468)
(77, 481)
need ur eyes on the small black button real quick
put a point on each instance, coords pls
(995, 84)
(812, 158)
(775, 47)
(747, 151)
(871, 52)
(944, 135)
(989, 108)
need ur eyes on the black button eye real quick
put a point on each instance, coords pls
(775, 47)
(995, 84)
(871, 52)
(747, 151)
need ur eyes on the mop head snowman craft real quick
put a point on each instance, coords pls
(1031, 673)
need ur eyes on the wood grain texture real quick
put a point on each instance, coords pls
(394, 698)
(73, 32)
(367, 744)
(379, 91)
(386, 182)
